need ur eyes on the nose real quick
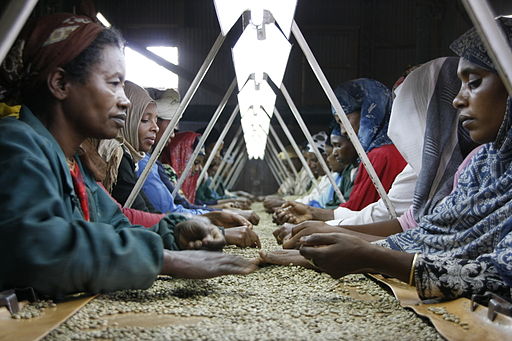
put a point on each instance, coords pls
(460, 101)
(154, 126)
(123, 102)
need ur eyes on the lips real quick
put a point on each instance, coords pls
(119, 119)
(150, 140)
(466, 121)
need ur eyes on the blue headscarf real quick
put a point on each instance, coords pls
(469, 233)
(373, 100)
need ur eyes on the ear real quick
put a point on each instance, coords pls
(58, 83)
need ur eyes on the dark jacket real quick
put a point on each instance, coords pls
(44, 241)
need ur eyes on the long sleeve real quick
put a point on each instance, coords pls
(449, 278)
(158, 194)
(401, 195)
(126, 180)
(44, 241)
(388, 163)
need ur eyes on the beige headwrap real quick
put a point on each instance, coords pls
(128, 140)
(167, 104)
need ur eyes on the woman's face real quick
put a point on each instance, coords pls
(314, 164)
(198, 164)
(481, 100)
(148, 128)
(343, 150)
(97, 108)
(333, 163)
(354, 118)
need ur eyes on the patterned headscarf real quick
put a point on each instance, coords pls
(177, 154)
(373, 100)
(320, 141)
(470, 47)
(473, 222)
(49, 42)
(423, 108)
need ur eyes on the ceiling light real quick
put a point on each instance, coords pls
(256, 95)
(270, 55)
(228, 12)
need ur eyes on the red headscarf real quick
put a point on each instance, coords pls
(177, 154)
(43, 45)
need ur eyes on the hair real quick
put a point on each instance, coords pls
(79, 68)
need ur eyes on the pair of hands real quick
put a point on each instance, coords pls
(249, 215)
(289, 235)
(227, 219)
(292, 212)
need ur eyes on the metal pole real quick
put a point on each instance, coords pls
(237, 173)
(272, 158)
(235, 167)
(176, 118)
(295, 147)
(227, 170)
(14, 17)
(203, 138)
(493, 38)
(273, 169)
(306, 132)
(228, 152)
(342, 116)
(280, 164)
(217, 145)
(287, 157)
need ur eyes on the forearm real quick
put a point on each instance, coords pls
(390, 262)
(382, 229)
(321, 214)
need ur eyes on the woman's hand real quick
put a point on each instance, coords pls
(195, 234)
(340, 254)
(285, 257)
(292, 241)
(204, 264)
(337, 254)
(227, 219)
(242, 236)
(292, 212)
(283, 232)
(250, 215)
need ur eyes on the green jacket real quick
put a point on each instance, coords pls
(44, 241)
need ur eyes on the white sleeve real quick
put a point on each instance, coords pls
(400, 194)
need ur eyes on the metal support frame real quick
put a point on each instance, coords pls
(176, 118)
(228, 168)
(217, 145)
(235, 167)
(271, 165)
(493, 38)
(295, 147)
(236, 155)
(279, 173)
(342, 116)
(204, 136)
(280, 163)
(223, 163)
(306, 132)
(236, 175)
(12, 21)
(281, 146)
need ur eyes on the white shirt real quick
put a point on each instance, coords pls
(401, 194)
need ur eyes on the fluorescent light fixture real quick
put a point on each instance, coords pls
(147, 73)
(269, 55)
(253, 96)
(255, 125)
(103, 20)
(228, 12)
